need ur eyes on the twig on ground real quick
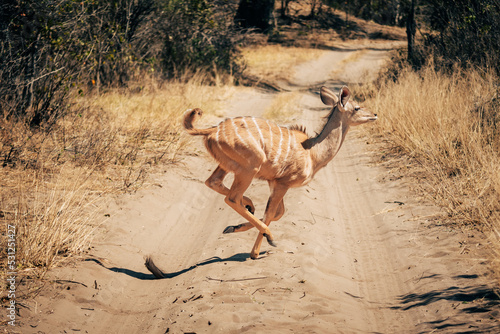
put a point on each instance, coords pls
(61, 281)
(234, 280)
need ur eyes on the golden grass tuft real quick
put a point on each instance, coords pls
(55, 218)
(448, 128)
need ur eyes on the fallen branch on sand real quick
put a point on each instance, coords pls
(234, 280)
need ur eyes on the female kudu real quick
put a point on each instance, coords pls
(251, 147)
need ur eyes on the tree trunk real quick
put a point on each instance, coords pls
(346, 14)
(410, 31)
(255, 14)
(284, 8)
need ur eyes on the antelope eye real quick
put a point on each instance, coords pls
(357, 108)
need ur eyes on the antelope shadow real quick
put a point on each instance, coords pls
(239, 257)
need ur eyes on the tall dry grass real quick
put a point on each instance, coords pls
(54, 183)
(448, 128)
(54, 217)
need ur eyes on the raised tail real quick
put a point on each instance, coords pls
(190, 117)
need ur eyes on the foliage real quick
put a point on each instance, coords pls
(455, 31)
(467, 32)
(49, 47)
(383, 12)
(31, 52)
(255, 14)
(198, 37)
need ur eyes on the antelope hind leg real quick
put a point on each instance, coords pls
(235, 201)
(237, 228)
(263, 229)
(215, 182)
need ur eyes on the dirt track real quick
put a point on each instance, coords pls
(357, 251)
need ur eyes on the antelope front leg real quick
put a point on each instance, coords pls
(274, 211)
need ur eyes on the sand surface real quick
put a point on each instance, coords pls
(358, 252)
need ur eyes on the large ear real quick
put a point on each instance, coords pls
(328, 97)
(343, 98)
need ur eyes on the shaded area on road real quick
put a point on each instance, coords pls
(479, 299)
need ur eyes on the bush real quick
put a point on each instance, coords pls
(197, 36)
(466, 32)
(49, 48)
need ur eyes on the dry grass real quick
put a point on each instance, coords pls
(275, 61)
(448, 126)
(283, 107)
(53, 184)
(54, 218)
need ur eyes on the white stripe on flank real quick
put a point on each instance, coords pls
(294, 141)
(276, 158)
(232, 148)
(260, 133)
(270, 137)
(237, 134)
(250, 134)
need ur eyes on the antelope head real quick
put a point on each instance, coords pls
(351, 112)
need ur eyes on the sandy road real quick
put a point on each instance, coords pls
(357, 252)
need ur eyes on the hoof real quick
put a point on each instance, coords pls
(271, 242)
(254, 256)
(231, 229)
(250, 209)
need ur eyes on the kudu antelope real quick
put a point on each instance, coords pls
(252, 148)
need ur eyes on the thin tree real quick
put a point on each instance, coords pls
(410, 30)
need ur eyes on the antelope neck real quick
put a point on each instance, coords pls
(328, 142)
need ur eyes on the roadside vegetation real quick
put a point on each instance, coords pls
(439, 113)
(443, 129)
